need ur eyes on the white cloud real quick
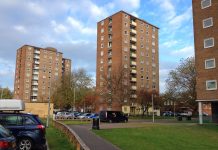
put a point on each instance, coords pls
(170, 43)
(167, 6)
(36, 8)
(186, 52)
(177, 21)
(20, 28)
(134, 14)
(59, 28)
(80, 26)
(132, 4)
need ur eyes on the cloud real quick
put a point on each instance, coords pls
(170, 43)
(166, 6)
(59, 28)
(36, 8)
(20, 28)
(134, 14)
(177, 21)
(77, 25)
(186, 52)
(132, 4)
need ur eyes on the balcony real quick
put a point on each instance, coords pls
(35, 89)
(133, 63)
(35, 78)
(109, 55)
(36, 67)
(34, 83)
(133, 71)
(133, 47)
(36, 56)
(134, 96)
(33, 100)
(133, 87)
(133, 79)
(154, 73)
(133, 23)
(35, 72)
(34, 94)
(133, 39)
(133, 55)
(133, 31)
(36, 52)
(109, 62)
(36, 62)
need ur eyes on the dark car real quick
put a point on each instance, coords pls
(27, 128)
(112, 116)
(7, 140)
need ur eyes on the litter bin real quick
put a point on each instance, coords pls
(188, 118)
(179, 118)
(95, 123)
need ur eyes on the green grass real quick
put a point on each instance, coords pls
(164, 137)
(75, 122)
(57, 140)
(149, 117)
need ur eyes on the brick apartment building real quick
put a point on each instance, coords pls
(36, 70)
(205, 15)
(127, 48)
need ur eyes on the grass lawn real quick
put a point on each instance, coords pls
(164, 137)
(57, 140)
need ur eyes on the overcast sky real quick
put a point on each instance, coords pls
(70, 26)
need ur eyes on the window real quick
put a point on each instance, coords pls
(153, 50)
(208, 42)
(11, 120)
(28, 121)
(102, 53)
(126, 16)
(208, 22)
(125, 32)
(205, 3)
(142, 53)
(125, 57)
(102, 45)
(102, 38)
(101, 61)
(211, 85)
(125, 66)
(142, 30)
(109, 44)
(101, 68)
(126, 25)
(210, 63)
(102, 30)
(125, 49)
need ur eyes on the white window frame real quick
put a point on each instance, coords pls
(211, 88)
(206, 20)
(206, 6)
(208, 39)
(210, 60)
(102, 23)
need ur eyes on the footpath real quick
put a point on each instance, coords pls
(91, 140)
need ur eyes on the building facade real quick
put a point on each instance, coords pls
(127, 61)
(205, 16)
(36, 70)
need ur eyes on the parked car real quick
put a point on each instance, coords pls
(185, 112)
(168, 113)
(7, 140)
(112, 116)
(27, 128)
(85, 115)
(93, 115)
(64, 115)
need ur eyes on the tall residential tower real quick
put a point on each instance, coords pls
(36, 70)
(205, 13)
(127, 49)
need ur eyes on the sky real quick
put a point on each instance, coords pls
(71, 27)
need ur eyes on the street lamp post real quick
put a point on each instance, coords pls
(2, 93)
(49, 103)
(152, 98)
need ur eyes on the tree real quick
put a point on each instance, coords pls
(145, 99)
(71, 88)
(181, 83)
(116, 87)
(5, 93)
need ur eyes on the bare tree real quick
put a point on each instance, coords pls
(116, 87)
(181, 83)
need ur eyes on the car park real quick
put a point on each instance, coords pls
(112, 116)
(168, 113)
(27, 128)
(85, 115)
(7, 140)
(93, 115)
